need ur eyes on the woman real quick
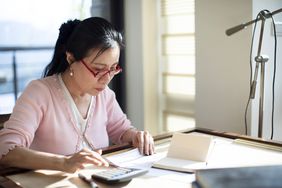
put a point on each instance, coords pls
(60, 121)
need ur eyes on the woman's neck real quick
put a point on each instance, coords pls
(73, 89)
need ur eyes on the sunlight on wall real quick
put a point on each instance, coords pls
(176, 123)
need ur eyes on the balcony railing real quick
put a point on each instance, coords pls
(19, 66)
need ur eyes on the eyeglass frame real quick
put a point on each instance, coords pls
(118, 68)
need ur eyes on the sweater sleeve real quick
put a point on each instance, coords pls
(19, 130)
(117, 120)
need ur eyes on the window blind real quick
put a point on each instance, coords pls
(177, 63)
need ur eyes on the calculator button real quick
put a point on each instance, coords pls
(119, 174)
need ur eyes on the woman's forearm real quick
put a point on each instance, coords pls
(31, 159)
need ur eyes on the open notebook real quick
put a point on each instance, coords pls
(186, 153)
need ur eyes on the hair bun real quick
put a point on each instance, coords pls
(66, 30)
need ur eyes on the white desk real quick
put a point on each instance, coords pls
(226, 153)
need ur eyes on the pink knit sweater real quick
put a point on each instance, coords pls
(42, 120)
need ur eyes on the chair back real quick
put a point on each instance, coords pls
(3, 119)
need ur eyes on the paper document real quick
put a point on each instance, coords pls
(187, 153)
(133, 158)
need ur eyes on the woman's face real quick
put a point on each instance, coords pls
(93, 73)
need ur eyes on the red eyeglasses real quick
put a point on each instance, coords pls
(99, 74)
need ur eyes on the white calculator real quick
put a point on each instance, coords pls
(118, 174)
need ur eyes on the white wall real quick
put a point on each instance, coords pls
(134, 60)
(141, 68)
(222, 66)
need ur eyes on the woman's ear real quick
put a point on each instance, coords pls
(70, 58)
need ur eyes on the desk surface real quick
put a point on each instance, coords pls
(55, 179)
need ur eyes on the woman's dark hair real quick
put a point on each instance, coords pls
(78, 38)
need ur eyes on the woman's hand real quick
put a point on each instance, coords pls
(144, 142)
(79, 160)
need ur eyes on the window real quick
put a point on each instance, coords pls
(28, 26)
(177, 63)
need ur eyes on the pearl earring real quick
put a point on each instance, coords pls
(71, 72)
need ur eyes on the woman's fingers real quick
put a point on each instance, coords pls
(96, 156)
(140, 141)
(151, 146)
(144, 142)
(91, 160)
(85, 156)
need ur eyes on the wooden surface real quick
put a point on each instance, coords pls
(4, 171)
